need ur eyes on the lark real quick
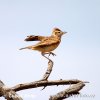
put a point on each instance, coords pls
(47, 43)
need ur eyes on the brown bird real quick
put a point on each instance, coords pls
(46, 44)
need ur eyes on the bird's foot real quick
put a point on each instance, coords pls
(51, 53)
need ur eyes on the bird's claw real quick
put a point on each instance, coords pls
(51, 53)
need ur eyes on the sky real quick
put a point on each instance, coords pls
(78, 55)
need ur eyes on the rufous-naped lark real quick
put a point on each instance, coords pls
(46, 44)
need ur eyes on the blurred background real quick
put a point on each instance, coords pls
(78, 56)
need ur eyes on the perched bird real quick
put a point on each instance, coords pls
(46, 44)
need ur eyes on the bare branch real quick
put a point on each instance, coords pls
(8, 93)
(43, 84)
(72, 90)
(77, 85)
(1, 85)
(49, 70)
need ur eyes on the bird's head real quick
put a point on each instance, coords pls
(57, 32)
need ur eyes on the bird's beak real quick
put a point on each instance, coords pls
(65, 32)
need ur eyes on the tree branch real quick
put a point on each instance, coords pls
(48, 71)
(43, 83)
(72, 90)
(8, 93)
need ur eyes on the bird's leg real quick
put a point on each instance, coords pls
(50, 53)
(43, 54)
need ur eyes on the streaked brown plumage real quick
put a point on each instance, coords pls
(46, 44)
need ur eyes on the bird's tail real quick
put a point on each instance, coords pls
(25, 48)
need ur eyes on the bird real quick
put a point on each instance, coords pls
(46, 44)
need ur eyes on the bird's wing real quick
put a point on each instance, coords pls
(34, 38)
(47, 41)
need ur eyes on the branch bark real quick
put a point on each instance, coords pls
(73, 90)
(43, 84)
(9, 93)
(48, 71)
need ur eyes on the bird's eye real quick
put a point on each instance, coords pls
(57, 32)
